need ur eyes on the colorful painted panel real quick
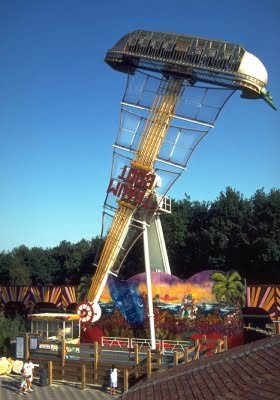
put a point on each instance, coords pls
(265, 297)
(68, 296)
(61, 296)
(209, 303)
(19, 294)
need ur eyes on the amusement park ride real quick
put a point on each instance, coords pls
(176, 88)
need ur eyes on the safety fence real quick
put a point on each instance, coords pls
(89, 364)
(164, 345)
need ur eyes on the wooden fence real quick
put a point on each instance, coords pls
(90, 363)
(269, 331)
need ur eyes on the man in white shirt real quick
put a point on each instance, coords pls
(29, 367)
(113, 379)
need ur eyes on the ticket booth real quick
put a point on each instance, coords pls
(56, 326)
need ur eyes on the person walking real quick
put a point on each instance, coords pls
(113, 379)
(29, 367)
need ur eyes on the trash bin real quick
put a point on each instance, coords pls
(43, 377)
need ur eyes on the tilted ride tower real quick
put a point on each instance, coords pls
(176, 88)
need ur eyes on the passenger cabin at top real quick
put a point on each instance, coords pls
(197, 59)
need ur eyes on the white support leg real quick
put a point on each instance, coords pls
(149, 287)
(162, 245)
(158, 254)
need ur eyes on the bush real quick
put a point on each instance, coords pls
(9, 329)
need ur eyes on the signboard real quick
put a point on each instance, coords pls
(33, 343)
(45, 346)
(20, 347)
(49, 346)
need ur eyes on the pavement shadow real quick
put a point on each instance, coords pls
(11, 385)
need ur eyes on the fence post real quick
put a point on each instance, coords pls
(159, 357)
(136, 358)
(50, 372)
(175, 358)
(196, 349)
(125, 380)
(26, 350)
(95, 361)
(149, 364)
(219, 346)
(225, 343)
(136, 353)
(276, 325)
(186, 355)
(83, 376)
(204, 342)
(62, 356)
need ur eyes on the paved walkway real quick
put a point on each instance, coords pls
(9, 390)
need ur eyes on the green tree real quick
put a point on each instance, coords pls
(264, 258)
(176, 231)
(74, 260)
(19, 274)
(42, 266)
(5, 266)
(196, 249)
(9, 328)
(227, 230)
(229, 233)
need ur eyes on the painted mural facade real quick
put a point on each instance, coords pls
(209, 303)
(183, 309)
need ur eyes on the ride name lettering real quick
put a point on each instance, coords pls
(133, 185)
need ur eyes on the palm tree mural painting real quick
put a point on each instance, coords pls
(228, 288)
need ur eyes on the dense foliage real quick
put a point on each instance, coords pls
(230, 233)
(9, 328)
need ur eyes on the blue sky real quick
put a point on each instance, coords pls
(60, 108)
